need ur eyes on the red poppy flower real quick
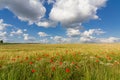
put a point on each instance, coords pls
(33, 71)
(61, 63)
(51, 60)
(31, 63)
(67, 70)
(97, 60)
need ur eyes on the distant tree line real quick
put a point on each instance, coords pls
(1, 41)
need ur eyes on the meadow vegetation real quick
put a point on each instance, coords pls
(60, 62)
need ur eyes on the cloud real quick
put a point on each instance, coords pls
(3, 35)
(46, 23)
(47, 1)
(88, 35)
(71, 13)
(44, 40)
(3, 32)
(18, 32)
(8, 36)
(109, 40)
(88, 39)
(60, 39)
(50, 1)
(28, 38)
(20, 35)
(3, 25)
(25, 10)
(92, 32)
(71, 32)
(42, 34)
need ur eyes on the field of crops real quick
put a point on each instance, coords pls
(60, 62)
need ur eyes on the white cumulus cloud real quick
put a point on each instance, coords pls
(91, 32)
(3, 25)
(28, 38)
(71, 32)
(50, 1)
(18, 32)
(70, 13)
(88, 35)
(109, 40)
(25, 10)
(3, 32)
(74, 12)
(46, 23)
(60, 39)
(42, 34)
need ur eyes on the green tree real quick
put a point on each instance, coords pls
(1, 41)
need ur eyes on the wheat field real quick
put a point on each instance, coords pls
(60, 62)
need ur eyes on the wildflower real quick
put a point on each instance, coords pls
(46, 55)
(53, 68)
(30, 63)
(67, 70)
(61, 63)
(116, 62)
(32, 70)
(73, 62)
(97, 61)
(109, 58)
(51, 60)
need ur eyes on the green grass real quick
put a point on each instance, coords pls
(60, 62)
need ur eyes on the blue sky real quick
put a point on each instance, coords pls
(60, 21)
